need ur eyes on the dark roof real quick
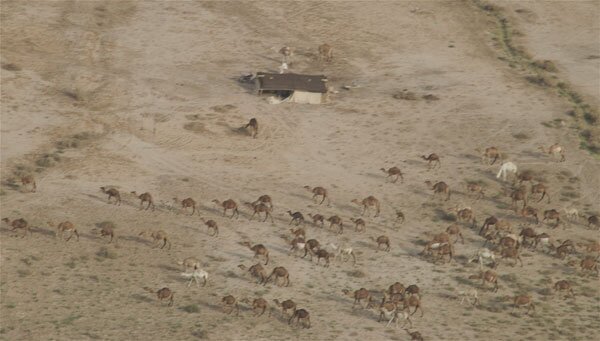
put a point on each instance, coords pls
(291, 81)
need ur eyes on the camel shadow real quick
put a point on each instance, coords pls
(168, 267)
(141, 298)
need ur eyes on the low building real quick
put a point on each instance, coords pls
(292, 87)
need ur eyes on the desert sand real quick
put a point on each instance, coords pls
(143, 96)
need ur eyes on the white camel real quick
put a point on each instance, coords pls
(505, 168)
(467, 295)
(572, 213)
(195, 275)
(483, 255)
(396, 315)
(342, 252)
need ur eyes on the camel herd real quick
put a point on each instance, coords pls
(397, 301)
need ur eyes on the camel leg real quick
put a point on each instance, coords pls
(323, 199)
(252, 216)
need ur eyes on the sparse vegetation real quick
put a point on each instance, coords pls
(105, 252)
(191, 308)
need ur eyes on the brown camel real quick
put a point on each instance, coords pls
(394, 172)
(432, 158)
(112, 192)
(367, 203)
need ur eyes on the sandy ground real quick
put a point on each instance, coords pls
(143, 96)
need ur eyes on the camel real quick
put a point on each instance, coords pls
(298, 244)
(257, 271)
(285, 306)
(395, 291)
(279, 272)
(190, 263)
(65, 226)
(414, 336)
(382, 240)
(310, 247)
(211, 225)
(412, 301)
(505, 169)
(317, 218)
(337, 221)
(564, 285)
(157, 237)
(552, 215)
(359, 222)
(394, 172)
(145, 197)
(185, 203)
(540, 189)
(593, 220)
(444, 249)
(259, 208)
(571, 213)
(465, 214)
(300, 315)
(554, 150)
(413, 289)
(491, 153)
(367, 203)
(318, 192)
(563, 250)
(253, 127)
(442, 237)
(467, 294)
(543, 239)
(517, 195)
(260, 304)
(511, 253)
(484, 255)
(107, 231)
(231, 303)
(488, 276)
(163, 294)
(195, 275)
(527, 232)
(523, 301)
(477, 189)
(432, 246)
(112, 192)
(432, 158)
(454, 229)
(508, 242)
(526, 176)
(325, 52)
(529, 211)
(259, 250)
(299, 232)
(359, 295)
(439, 187)
(390, 311)
(20, 224)
(297, 217)
(325, 255)
(589, 264)
(591, 246)
(228, 204)
(29, 179)
(499, 225)
(264, 199)
(343, 251)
